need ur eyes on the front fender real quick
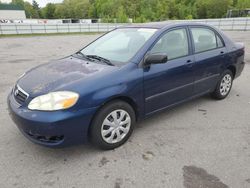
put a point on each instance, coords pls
(126, 82)
(128, 92)
(106, 94)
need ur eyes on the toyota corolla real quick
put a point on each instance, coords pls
(100, 92)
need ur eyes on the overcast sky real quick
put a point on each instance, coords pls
(42, 3)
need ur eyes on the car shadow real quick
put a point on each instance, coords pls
(176, 110)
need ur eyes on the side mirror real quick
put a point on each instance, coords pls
(157, 58)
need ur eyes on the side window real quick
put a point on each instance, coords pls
(204, 39)
(174, 43)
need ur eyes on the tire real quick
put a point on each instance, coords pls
(224, 85)
(112, 125)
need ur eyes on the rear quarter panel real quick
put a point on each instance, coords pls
(235, 58)
(235, 55)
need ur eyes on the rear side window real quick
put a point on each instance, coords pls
(219, 42)
(205, 39)
(174, 43)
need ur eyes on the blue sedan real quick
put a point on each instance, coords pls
(100, 92)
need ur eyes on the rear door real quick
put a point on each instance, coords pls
(171, 82)
(209, 53)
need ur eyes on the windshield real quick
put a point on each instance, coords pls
(120, 45)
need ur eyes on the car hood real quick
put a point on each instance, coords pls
(60, 73)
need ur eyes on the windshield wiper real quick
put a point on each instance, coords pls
(79, 53)
(108, 62)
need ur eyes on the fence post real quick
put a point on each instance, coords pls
(246, 24)
(233, 25)
(57, 28)
(16, 29)
(1, 29)
(68, 28)
(98, 28)
(219, 23)
(31, 29)
(89, 27)
(80, 27)
(44, 28)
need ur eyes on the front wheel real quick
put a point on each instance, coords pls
(224, 85)
(112, 125)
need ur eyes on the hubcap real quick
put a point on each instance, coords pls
(225, 84)
(115, 126)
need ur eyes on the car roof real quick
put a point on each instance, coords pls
(160, 25)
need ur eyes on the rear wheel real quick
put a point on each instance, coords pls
(224, 85)
(113, 125)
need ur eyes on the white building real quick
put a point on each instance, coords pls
(11, 12)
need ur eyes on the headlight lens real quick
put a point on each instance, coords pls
(54, 101)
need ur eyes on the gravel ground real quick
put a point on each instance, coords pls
(202, 143)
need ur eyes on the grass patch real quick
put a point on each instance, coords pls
(49, 34)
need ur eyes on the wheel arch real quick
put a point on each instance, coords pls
(126, 99)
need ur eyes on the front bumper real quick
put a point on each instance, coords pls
(52, 129)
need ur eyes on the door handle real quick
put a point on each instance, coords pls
(222, 52)
(189, 63)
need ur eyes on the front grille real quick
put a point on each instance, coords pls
(47, 139)
(20, 95)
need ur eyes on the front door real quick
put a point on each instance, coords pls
(172, 82)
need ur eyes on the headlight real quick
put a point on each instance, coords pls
(54, 101)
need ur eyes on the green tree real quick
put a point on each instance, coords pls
(173, 9)
(212, 8)
(74, 9)
(60, 11)
(19, 3)
(243, 4)
(138, 10)
(49, 11)
(36, 10)
(201, 7)
(218, 9)
(81, 9)
(121, 16)
(162, 11)
(29, 11)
